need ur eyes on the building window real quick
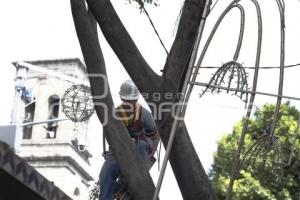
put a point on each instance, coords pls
(53, 114)
(77, 192)
(29, 117)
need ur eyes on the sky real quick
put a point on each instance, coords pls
(36, 30)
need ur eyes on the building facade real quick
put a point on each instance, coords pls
(52, 147)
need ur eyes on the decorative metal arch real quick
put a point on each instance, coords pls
(230, 69)
(233, 4)
(269, 141)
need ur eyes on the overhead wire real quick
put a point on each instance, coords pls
(155, 29)
(214, 5)
(246, 91)
(271, 67)
(153, 26)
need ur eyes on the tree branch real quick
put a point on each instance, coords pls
(189, 172)
(126, 153)
(123, 45)
(190, 175)
(177, 62)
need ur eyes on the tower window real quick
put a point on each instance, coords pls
(77, 192)
(53, 114)
(29, 117)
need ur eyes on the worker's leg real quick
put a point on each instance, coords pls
(143, 148)
(110, 171)
(108, 175)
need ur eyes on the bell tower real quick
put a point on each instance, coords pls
(50, 139)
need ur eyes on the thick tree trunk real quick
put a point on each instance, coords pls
(123, 46)
(190, 175)
(137, 176)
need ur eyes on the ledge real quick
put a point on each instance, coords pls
(17, 175)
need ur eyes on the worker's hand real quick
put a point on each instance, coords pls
(154, 136)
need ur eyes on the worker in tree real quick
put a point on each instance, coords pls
(142, 129)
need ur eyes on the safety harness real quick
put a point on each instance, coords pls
(132, 119)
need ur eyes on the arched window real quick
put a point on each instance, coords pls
(76, 192)
(53, 114)
(29, 117)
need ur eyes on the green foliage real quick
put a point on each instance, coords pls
(261, 180)
(94, 191)
(246, 187)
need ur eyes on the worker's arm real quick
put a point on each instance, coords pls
(150, 128)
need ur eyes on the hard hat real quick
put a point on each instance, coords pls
(128, 91)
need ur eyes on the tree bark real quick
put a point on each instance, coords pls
(190, 175)
(123, 45)
(137, 176)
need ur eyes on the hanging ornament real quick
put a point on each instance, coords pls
(230, 77)
(77, 103)
(266, 150)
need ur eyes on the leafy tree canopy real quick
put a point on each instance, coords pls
(262, 177)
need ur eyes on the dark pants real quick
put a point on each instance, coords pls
(110, 172)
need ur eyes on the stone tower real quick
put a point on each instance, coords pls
(51, 148)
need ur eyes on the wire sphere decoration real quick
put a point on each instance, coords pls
(77, 103)
(230, 77)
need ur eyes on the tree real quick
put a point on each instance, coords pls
(94, 191)
(191, 177)
(261, 180)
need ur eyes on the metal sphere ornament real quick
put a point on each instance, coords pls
(77, 103)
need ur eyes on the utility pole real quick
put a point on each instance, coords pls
(21, 77)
